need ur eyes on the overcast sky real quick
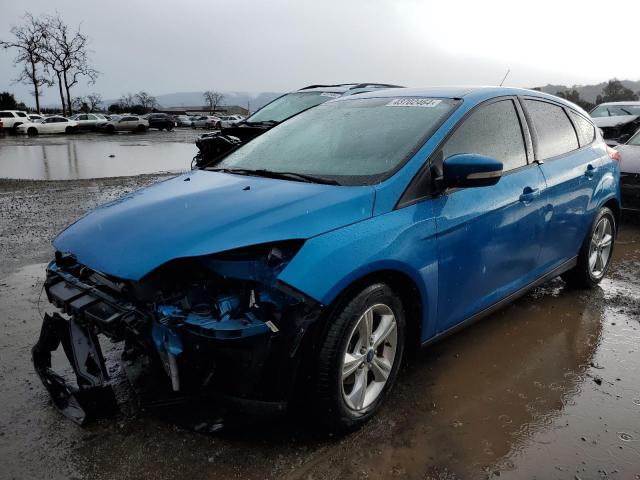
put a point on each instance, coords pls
(276, 45)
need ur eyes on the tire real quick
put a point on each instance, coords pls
(32, 131)
(110, 129)
(337, 402)
(169, 128)
(193, 125)
(598, 244)
(68, 130)
(141, 128)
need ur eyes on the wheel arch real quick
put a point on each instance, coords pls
(403, 284)
(613, 204)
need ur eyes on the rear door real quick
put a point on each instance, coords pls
(562, 142)
(489, 237)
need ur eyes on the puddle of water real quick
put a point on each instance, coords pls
(79, 158)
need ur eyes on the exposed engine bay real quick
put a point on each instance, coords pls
(219, 325)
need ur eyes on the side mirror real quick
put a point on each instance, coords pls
(470, 170)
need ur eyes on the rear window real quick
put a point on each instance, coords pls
(554, 131)
(586, 131)
(20, 114)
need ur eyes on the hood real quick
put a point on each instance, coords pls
(629, 158)
(604, 122)
(201, 213)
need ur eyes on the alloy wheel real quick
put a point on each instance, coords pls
(369, 356)
(600, 247)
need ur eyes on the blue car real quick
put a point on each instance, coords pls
(304, 265)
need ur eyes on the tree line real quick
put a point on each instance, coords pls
(613, 91)
(50, 53)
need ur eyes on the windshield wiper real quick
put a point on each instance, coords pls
(301, 177)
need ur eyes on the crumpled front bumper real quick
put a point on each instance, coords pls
(252, 370)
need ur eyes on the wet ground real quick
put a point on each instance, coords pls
(547, 388)
(96, 155)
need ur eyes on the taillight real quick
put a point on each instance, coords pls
(613, 154)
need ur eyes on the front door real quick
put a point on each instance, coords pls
(489, 237)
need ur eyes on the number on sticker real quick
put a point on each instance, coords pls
(414, 102)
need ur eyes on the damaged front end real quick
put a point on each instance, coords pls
(220, 326)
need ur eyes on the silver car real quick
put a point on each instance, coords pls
(206, 121)
(127, 123)
(89, 121)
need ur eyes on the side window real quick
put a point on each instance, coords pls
(83, 117)
(493, 130)
(586, 132)
(555, 133)
(20, 114)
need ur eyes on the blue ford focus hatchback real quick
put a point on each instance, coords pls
(303, 265)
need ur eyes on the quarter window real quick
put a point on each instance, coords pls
(586, 132)
(555, 133)
(493, 130)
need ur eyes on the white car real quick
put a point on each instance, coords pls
(35, 118)
(127, 123)
(12, 118)
(89, 121)
(206, 121)
(183, 121)
(55, 124)
(230, 120)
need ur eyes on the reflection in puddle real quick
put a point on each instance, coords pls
(79, 158)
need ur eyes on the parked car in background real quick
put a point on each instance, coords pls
(206, 121)
(89, 121)
(54, 124)
(617, 120)
(230, 120)
(126, 123)
(12, 118)
(33, 117)
(212, 146)
(183, 121)
(337, 241)
(630, 173)
(161, 121)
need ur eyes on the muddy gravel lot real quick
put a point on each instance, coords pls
(547, 388)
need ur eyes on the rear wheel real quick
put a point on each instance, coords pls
(68, 130)
(110, 129)
(359, 357)
(596, 252)
(141, 128)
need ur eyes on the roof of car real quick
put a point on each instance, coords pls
(345, 87)
(630, 102)
(472, 93)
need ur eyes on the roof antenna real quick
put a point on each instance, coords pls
(505, 77)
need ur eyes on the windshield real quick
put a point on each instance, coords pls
(353, 142)
(288, 105)
(615, 110)
(635, 140)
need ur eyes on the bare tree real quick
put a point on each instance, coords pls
(80, 104)
(147, 101)
(94, 100)
(29, 41)
(66, 55)
(126, 101)
(213, 99)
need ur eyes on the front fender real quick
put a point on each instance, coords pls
(402, 240)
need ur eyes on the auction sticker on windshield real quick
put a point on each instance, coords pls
(414, 102)
(329, 94)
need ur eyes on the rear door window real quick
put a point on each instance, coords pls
(585, 129)
(20, 114)
(493, 130)
(554, 132)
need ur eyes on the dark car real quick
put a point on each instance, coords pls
(213, 145)
(161, 121)
(630, 173)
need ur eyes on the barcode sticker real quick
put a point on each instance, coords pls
(414, 102)
(328, 94)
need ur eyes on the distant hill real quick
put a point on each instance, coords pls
(589, 92)
(255, 100)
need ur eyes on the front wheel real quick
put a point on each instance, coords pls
(596, 252)
(359, 357)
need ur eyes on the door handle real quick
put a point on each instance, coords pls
(529, 194)
(591, 170)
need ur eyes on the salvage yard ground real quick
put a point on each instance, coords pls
(547, 388)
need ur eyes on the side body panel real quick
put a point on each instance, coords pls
(402, 240)
(488, 243)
